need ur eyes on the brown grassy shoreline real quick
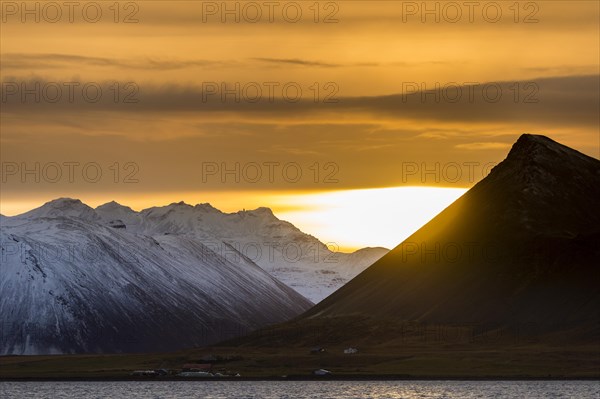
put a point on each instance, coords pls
(518, 363)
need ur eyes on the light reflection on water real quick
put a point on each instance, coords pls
(302, 389)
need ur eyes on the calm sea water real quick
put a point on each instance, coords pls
(303, 389)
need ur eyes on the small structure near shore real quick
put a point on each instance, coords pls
(195, 374)
(195, 367)
(144, 373)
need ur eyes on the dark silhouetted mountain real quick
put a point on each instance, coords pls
(521, 248)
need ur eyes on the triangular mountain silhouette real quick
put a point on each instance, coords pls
(522, 247)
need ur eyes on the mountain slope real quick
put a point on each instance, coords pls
(518, 252)
(72, 284)
(297, 259)
(522, 246)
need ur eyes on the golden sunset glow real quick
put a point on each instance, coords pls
(346, 220)
(375, 84)
(310, 198)
(374, 217)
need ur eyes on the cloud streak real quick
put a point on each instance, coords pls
(564, 101)
(482, 146)
(318, 64)
(36, 61)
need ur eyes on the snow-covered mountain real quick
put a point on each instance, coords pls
(72, 283)
(76, 279)
(297, 259)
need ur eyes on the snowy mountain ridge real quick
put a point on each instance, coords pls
(77, 279)
(72, 283)
(299, 260)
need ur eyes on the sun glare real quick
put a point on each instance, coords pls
(353, 219)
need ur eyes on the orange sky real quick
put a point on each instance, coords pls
(356, 123)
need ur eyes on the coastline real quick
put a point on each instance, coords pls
(305, 378)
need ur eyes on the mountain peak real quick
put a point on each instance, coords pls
(542, 162)
(531, 141)
(537, 148)
(537, 179)
(64, 202)
(264, 209)
(113, 205)
(180, 203)
(206, 207)
(537, 139)
(114, 212)
(261, 212)
(63, 207)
